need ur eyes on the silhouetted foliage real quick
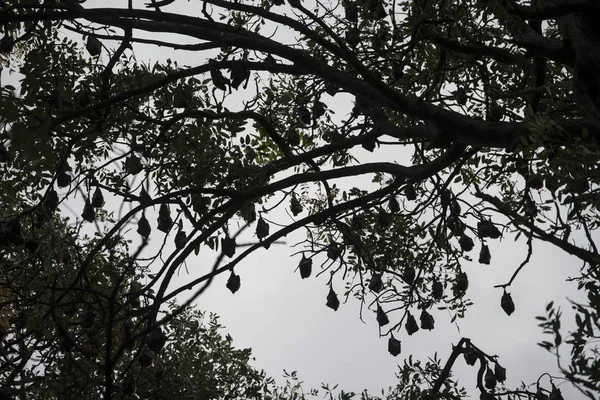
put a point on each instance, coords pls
(469, 121)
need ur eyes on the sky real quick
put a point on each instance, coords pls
(283, 318)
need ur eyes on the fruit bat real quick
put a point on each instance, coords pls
(51, 201)
(455, 225)
(394, 346)
(164, 218)
(295, 206)
(484, 255)
(470, 356)
(133, 165)
(408, 275)
(332, 300)
(180, 239)
(333, 251)
(437, 290)
(369, 144)
(466, 243)
(293, 137)
(379, 13)
(97, 198)
(303, 115)
(411, 325)
(238, 73)
(305, 267)
(462, 282)
(496, 112)
(93, 46)
(144, 198)
(455, 208)
(489, 379)
(535, 182)
(318, 109)
(486, 228)
(529, 207)
(228, 246)
(445, 198)
(409, 192)
(233, 283)
(376, 283)
(331, 88)
(7, 43)
(262, 229)
(382, 318)
(507, 303)
(460, 96)
(218, 79)
(144, 227)
(499, 372)
(88, 213)
(63, 179)
(384, 218)
(427, 321)
(393, 205)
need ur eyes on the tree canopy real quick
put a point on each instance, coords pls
(467, 122)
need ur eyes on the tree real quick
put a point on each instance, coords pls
(483, 116)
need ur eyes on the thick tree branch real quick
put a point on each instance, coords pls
(478, 50)
(376, 92)
(585, 255)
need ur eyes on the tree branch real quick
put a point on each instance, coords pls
(585, 255)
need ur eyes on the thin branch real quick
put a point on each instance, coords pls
(525, 262)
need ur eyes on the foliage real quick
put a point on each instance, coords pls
(482, 116)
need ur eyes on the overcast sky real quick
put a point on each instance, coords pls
(285, 321)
